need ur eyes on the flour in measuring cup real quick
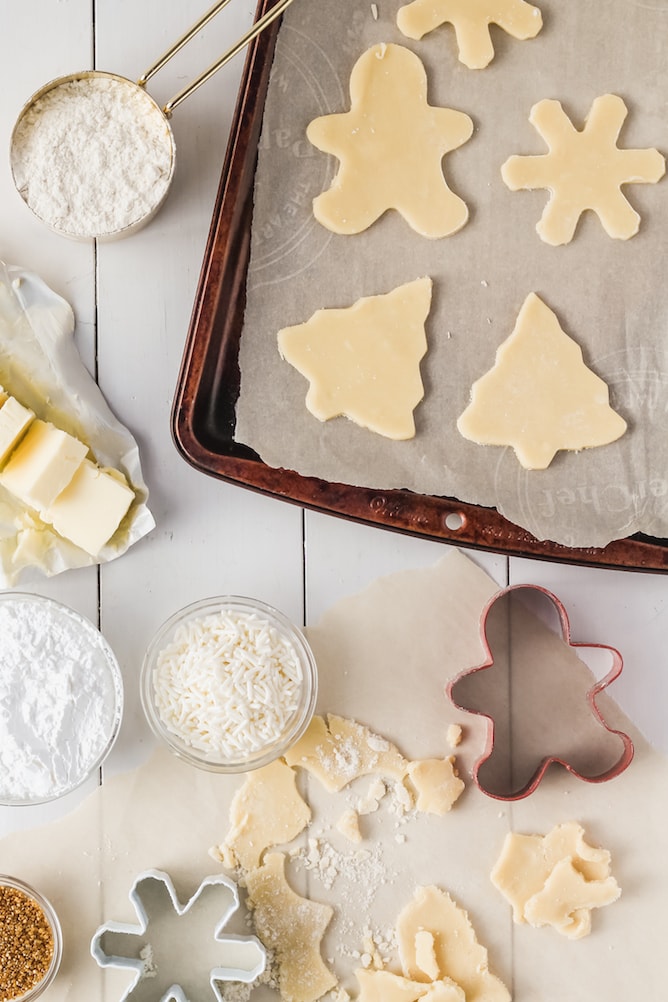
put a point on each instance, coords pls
(92, 156)
(59, 699)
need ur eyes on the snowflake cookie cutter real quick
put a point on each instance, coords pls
(588, 705)
(132, 947)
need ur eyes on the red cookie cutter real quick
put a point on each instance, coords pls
(627, 745)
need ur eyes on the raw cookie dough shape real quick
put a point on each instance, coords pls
(364, 361)
(163, 919)
(498, 606)
(584, 170)
(266, 811)
(390, 146)
(540, 397)
(459, 956)
(555, 880)
(471, 20)
(293, 928)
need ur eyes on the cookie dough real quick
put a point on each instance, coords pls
(266, 811)
(341, 750)
(364, 361)
(584, 170)
(555, 880)
(293, 928)
(540, 397)
(458, 954)
(471, 20)
(384, 986)
(437, 783)
(390, 146)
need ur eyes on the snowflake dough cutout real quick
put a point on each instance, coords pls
(390, 146)
(471, 20)
(364, 361)
(584, 170)
(540, 397)
(163, 918)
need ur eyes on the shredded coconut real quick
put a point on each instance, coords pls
(92, 156)
(58, 699)
(228, 684)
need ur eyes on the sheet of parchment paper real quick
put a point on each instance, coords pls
(609, 295)
(41, 366)
(384, 657)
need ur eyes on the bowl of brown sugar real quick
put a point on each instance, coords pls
(31, 942)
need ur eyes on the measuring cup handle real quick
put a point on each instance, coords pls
(177, 46)
(255, 29)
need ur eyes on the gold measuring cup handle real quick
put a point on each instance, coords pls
(252, 32)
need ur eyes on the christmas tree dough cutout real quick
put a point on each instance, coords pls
(390, 146)
(584, 170)
(363, 362)
(540, 397)
(471, 20)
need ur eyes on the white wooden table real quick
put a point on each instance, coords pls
(132, 301)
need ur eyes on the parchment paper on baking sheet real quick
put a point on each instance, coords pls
(384, 657)
(41, 366)
(609, 295)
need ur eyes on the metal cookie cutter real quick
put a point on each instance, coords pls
(544, 699)
(170, 958)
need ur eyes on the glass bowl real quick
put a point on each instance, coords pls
(214, 693)
(62, 699)
(12, 884)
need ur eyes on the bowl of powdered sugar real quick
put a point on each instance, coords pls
(229, 684)
(61, 699)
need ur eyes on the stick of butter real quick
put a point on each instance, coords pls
(89, 510)
(42, 464)
(15, 419)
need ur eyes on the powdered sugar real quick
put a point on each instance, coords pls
(92, 156)
(59, 699)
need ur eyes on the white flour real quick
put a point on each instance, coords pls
(92, 156)
(58, 699)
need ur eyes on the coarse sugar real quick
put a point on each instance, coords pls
(30, 943)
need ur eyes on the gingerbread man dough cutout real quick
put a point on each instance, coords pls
(390, 146)
(471, 20)
(584, 170)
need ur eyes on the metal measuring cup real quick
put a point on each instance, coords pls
(154, 140)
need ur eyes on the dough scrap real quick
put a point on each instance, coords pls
(459, 955)
(266, 811)
(384, 986)
(584, 170)
(349, 825)
(390, 146)
(364, 361)
(341, 750)
(540, 397)
(556, 879)
(425, 954)
(437, 783)
(471, 20)
(293, 928)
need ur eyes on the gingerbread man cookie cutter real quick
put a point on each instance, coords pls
(610, 734)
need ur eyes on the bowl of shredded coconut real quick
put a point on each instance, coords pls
(61, 699)
(229, 684)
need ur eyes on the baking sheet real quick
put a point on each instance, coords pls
(607, 294)
(369, 648)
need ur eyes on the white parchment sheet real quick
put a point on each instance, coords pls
(384, 657)
(609, 295)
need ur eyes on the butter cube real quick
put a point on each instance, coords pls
(43, 464)
(15, 419)
(91, 507)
